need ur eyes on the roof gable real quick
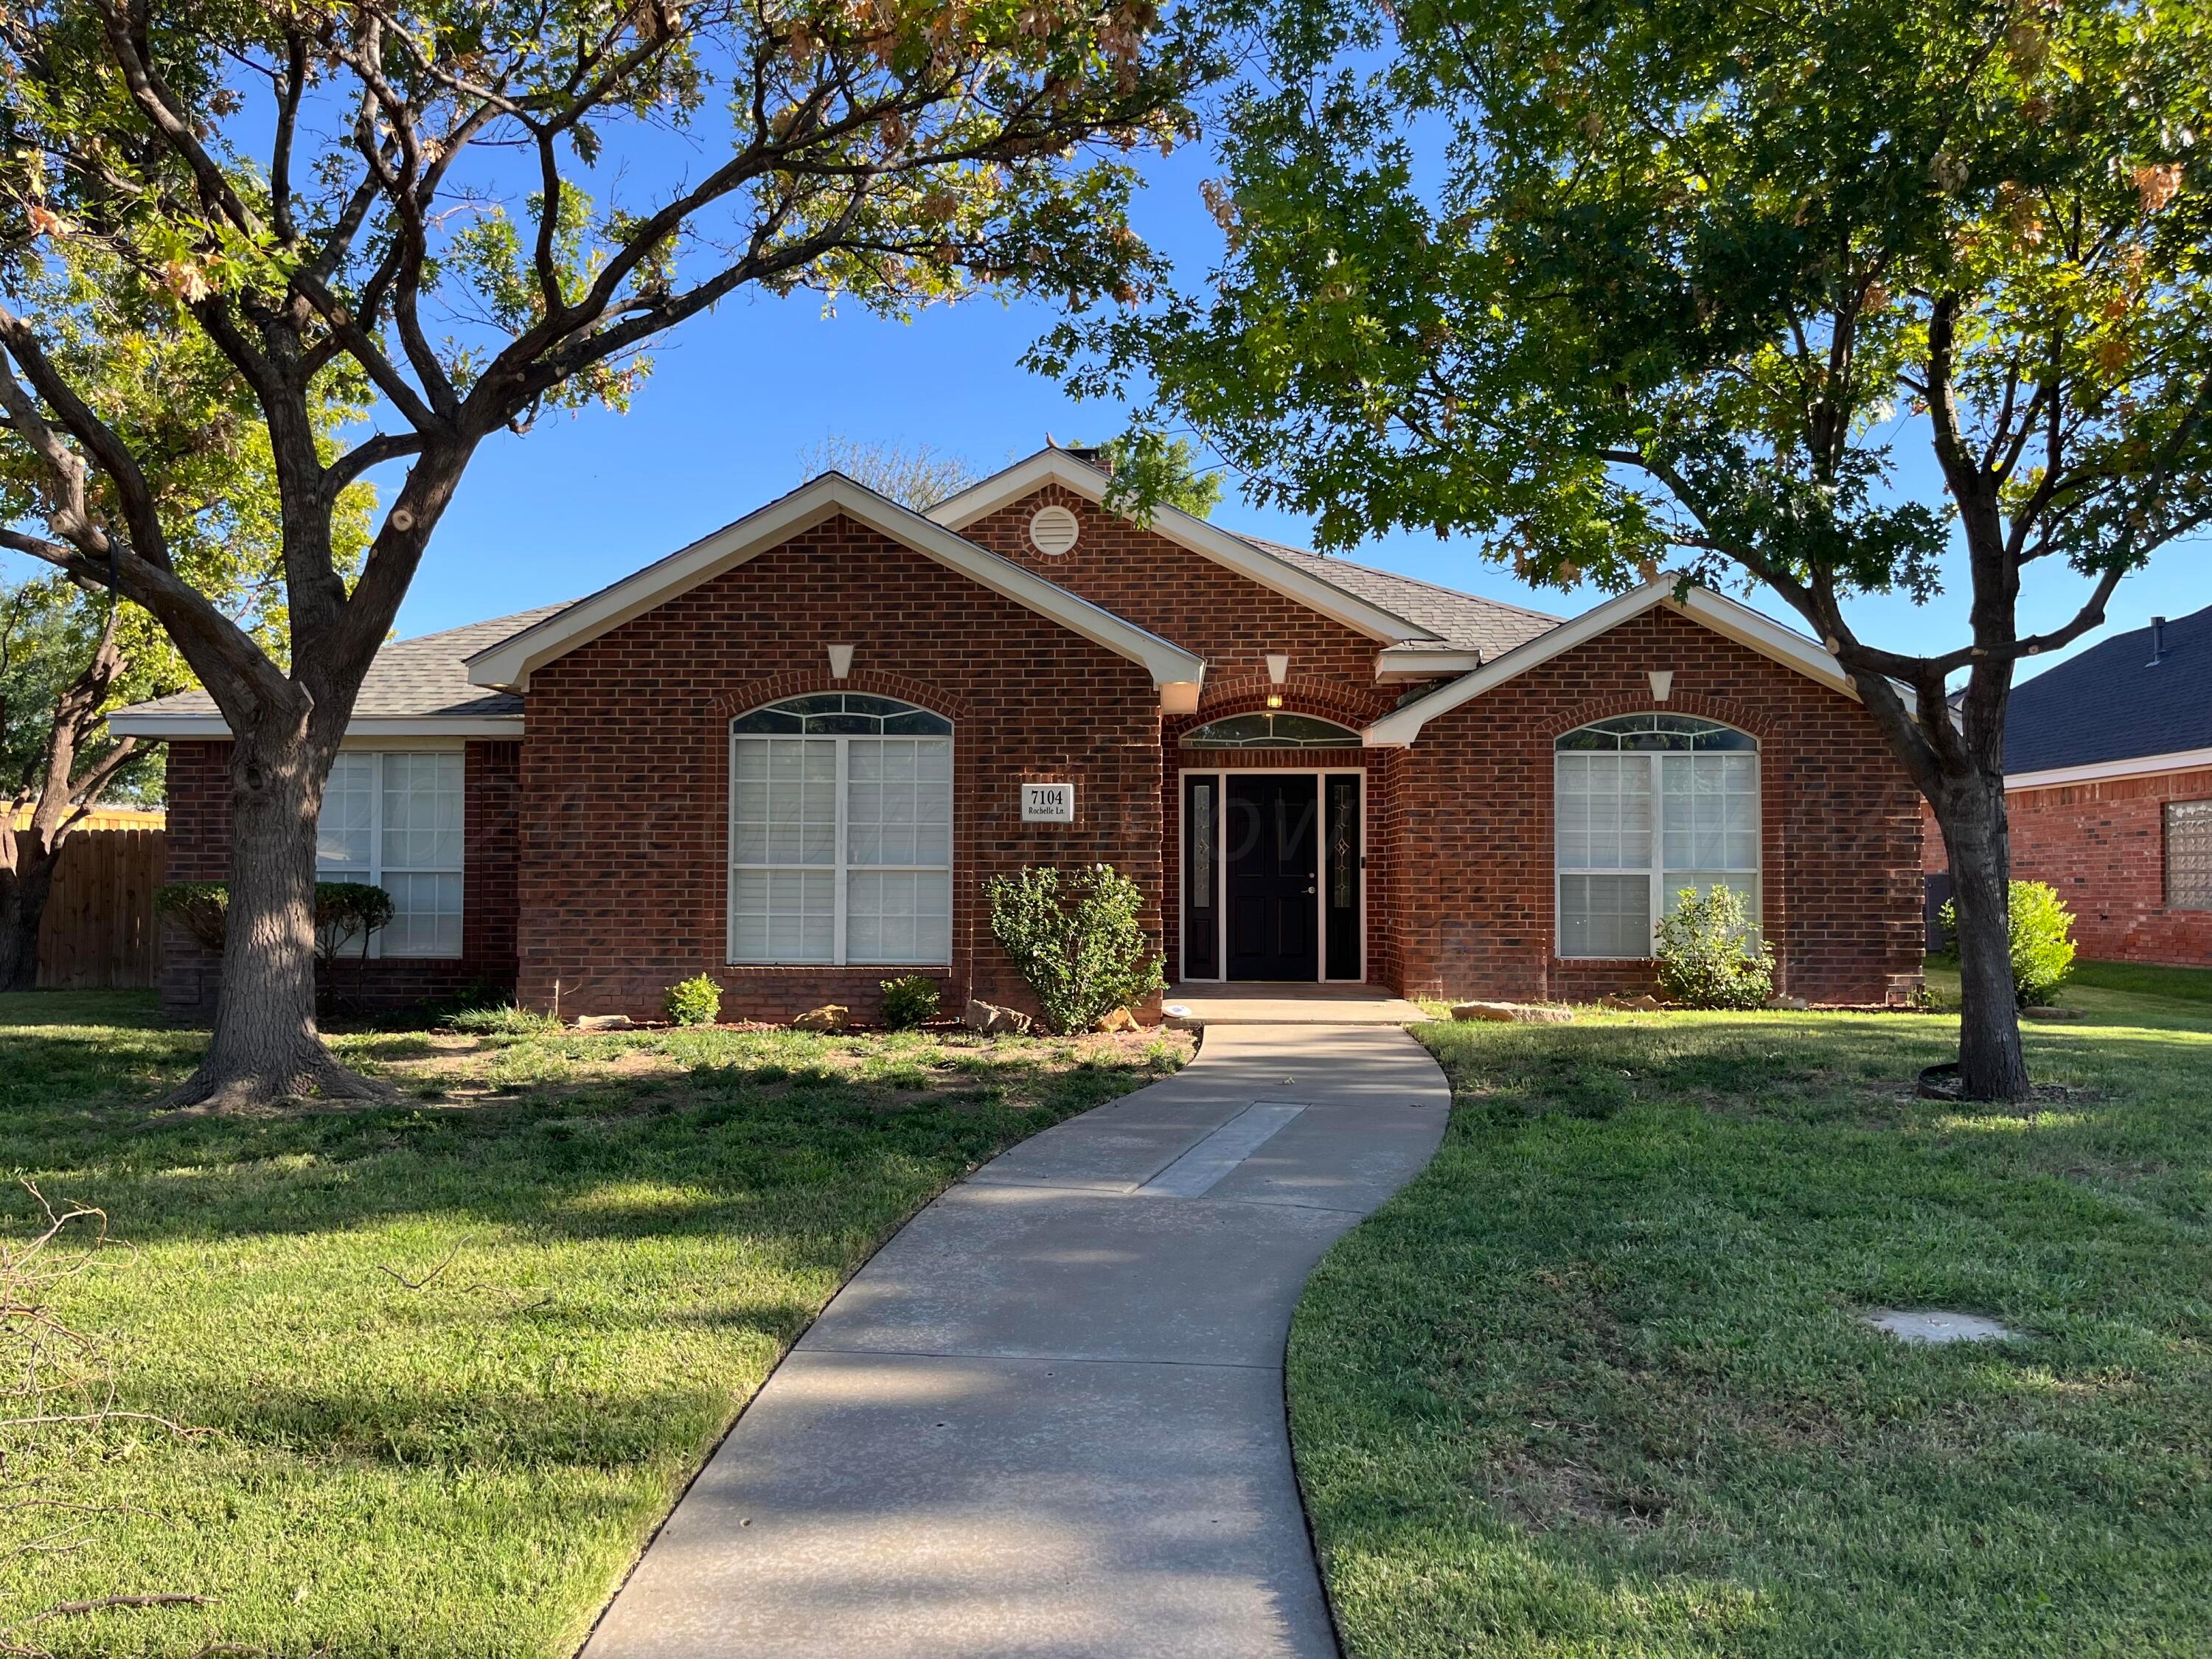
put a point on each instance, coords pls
(511, 662)
(1293, 579)
(1724, 615)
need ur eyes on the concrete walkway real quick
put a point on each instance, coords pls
(1046, 1419)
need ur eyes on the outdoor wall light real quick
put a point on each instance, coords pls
(841, 661)
(1662, 683)
(1279, 669)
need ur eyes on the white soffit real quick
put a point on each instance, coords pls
(511, 662)
(1185, 530)
(1724, 615)
(2132, 766)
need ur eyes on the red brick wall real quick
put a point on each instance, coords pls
(625, 776)
(199, 850)
(2102, 845)
(1841, 854)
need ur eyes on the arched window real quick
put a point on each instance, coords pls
(840, 833)
(1270, 730)
(1646, 806)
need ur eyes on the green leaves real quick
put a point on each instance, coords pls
(1615, 286)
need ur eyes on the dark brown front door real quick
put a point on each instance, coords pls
(1272, 843)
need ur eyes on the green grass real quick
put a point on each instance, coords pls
(2143, 979)
(633, 1228)
(1596, 1383)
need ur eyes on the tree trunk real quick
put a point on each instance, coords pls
(25, 883)
(1991, 1064)
(266, 1046)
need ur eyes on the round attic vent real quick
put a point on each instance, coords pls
(1053, 531)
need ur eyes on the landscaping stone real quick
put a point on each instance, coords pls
(1789, 1004)
(993, 1020)
(1938, 1325)
(830, 1017)
(1645, 1003)
(1118, 1019)
(1513, 1013)
(2044, 1011)
(605, 1023)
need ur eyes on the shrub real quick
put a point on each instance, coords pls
(2041, 937)
(909, 1000)
(694, 1002)
(1709, 954)
(1076, 939)
(345, 912)
(504, 1020)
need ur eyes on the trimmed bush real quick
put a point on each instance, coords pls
(1076, 938)
(910, 1001)
(694, 1002)
(2041, 937)
(347, 913)
(1711, 956)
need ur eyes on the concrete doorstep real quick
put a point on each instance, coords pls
(1046, 1419)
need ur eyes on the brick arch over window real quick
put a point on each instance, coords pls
(1354, 706)
(777, 688)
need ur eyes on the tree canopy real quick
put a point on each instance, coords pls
(1619, 288)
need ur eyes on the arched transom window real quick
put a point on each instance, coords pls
(840, 833)
(1648, 804)
(1270, 730)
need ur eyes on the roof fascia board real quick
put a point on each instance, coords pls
(1724, 615)
(125, 723)
(2132, 766)
(1185, 530)
(510, 662)
(1399, 664)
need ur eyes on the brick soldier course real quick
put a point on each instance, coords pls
(595, 749)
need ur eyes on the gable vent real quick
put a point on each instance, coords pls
(1054, 530)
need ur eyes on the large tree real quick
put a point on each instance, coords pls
(485, 209)
(1838, 297)
(70, 650)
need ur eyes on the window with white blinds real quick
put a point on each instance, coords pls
(840, 834)
(395, 820)
(1646, 806)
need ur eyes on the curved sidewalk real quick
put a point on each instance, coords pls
(1047, 1419)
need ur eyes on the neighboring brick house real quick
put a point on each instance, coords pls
(2108, 791)
(791, 755)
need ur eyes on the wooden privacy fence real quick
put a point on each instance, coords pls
(100, 928)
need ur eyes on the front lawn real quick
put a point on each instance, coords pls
(1596, 1383)
(614, 1237)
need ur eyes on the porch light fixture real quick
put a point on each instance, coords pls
(1662, 683)
(841, 661)
(1279, 669)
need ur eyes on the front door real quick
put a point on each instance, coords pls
(1272, 835)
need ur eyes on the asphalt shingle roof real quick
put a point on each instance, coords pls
(2110, 703)
(1463, 621)
(426, 676)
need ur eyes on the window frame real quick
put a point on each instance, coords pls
(2200, 811)
(378, 869)
(841, 867)
(1656, 867)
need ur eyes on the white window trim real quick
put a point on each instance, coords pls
(841, 866)
(377, 869)
(1658, 868)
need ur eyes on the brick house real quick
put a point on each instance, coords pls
(791, 754)
(2108, 791)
